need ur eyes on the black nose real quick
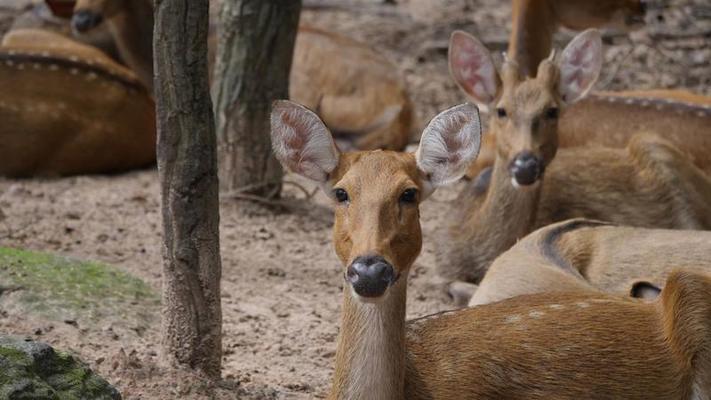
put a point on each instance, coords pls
(370, 276)
(526, 168)
(82, 21)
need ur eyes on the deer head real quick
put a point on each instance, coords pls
(525, 111)
(376, 194)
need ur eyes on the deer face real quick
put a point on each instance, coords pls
(376, 194)
(89, 14)
(524, 112)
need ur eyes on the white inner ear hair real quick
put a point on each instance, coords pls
(449, 144)
(303, 144)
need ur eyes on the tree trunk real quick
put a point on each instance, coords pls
(187, 164)
(255, 49)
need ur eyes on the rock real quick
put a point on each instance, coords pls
(34, 370)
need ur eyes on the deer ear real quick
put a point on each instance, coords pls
(472, 67)
(580, 65)
(301, 141)
(449, 144)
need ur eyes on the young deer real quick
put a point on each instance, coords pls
(604, 118)
(648, 184)
(66, 108)
(359, 93)
(557, 345)
(581, 254)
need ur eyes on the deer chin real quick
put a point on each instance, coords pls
(369, 300)
(519, 186)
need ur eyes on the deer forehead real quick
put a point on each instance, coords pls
(528, 99)
(376, 172)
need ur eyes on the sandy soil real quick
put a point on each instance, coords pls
(282, 281)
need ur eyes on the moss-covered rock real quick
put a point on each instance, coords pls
(33, 370)
(60, 287)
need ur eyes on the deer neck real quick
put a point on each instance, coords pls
(132, 30)
(370, 359)
(533, 26)
(506, 215)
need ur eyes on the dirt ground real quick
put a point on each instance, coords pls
(281, 280)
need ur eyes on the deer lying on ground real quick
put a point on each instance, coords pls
(69, 109)
(604, 118)
(581, 254)
(53, 15)
(581, 345)
(358, 93)
(649, 184)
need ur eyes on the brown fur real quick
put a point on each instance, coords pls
(610, 119)
(552, 346)
(535, 21)
(361, 93)
(73, 109)
(649, 184)
(607, 119)
(40, 16)
(358, 92)
(604, 347)
(585, 254)
(130, 23)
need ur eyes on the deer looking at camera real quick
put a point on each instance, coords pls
(582, 254)
(70, 109)
(359, 93)
(603, 118)
(649, 184)
(579, 345)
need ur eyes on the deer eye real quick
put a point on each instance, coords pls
(501, 112)
(552, 113)
(409, 196)
(340, 195)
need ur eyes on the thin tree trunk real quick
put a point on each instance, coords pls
(255, 49)
(187, 163)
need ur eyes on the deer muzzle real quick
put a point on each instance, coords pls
(370, 276)
(526, 168)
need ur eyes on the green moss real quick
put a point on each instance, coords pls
(54, 286)
(33, 370)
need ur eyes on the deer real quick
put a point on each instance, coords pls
(130, 23)
(359, 93)
(604, 118)
(533, 183)
(53, 15)
(535, 21)
(70, 109)
(581, 344)
(582, 254)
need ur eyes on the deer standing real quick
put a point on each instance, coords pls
(605, 118)
(580, 345)
(581, 254)
(650, 183)
(359, 93)
(68, 108)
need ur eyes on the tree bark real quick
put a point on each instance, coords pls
(187, 165)
(255, 50)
